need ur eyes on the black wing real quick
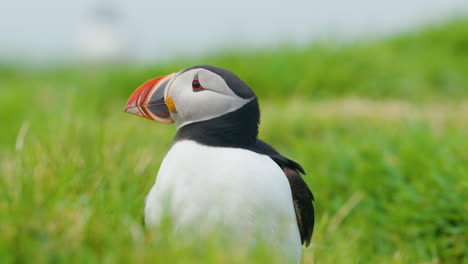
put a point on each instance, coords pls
(302, 196)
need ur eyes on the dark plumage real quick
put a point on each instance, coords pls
(302, 196)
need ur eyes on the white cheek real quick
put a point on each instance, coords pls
(216, 83)
(218, 99)
(204, 105)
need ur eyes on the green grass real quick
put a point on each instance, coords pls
(380, 127)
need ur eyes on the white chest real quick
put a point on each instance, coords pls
(202, 187)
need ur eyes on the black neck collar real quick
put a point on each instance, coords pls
(236, 129)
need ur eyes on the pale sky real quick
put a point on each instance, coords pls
(147, 30)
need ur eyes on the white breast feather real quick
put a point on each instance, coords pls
(204, 187)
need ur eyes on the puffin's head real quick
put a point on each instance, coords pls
(194, 94)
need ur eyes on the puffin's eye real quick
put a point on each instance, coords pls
(196, 86)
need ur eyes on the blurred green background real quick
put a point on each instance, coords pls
(381, 127)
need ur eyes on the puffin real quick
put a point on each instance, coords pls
(218, 177)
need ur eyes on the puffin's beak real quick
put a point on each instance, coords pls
(150, 100)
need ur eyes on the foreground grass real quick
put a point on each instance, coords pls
(388, 168)
(388, 189)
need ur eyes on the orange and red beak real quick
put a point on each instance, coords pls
(151, 101)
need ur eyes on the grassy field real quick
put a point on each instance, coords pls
(380, 126)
